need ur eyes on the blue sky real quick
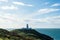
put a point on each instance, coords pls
(36, 13)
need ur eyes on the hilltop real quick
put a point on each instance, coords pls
(22, 34)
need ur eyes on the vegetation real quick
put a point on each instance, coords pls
(23, 34)
(17, 34)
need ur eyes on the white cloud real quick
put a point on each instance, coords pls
(56, 4)
(55, 19)
(42, 20)
(21, 3)
(8, 20)
(48, 22)
(8, 16)
(52, 20)
(47, 10)
(9, 7)
(43, 11)
(3, 0)
(47, 19)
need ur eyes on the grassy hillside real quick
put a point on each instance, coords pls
(22, 34)
(16, 35)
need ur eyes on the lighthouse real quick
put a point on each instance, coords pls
(27, 26)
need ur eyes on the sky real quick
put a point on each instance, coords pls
(36, 13)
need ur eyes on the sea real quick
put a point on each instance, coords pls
(54, 33)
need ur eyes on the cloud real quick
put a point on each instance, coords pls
(18, 20)
(47, 10)
(8, 20)
(21, 3)
(43, 11)
(52, 20)
(9, 7)
(48, 22)
(3, 0)
(56, 4)
(55, 19)
(8, 16)
(42, 20)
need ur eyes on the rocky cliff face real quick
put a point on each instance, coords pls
(22, 34)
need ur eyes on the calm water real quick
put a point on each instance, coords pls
(54, 33)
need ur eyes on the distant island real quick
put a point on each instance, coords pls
(23, 34)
